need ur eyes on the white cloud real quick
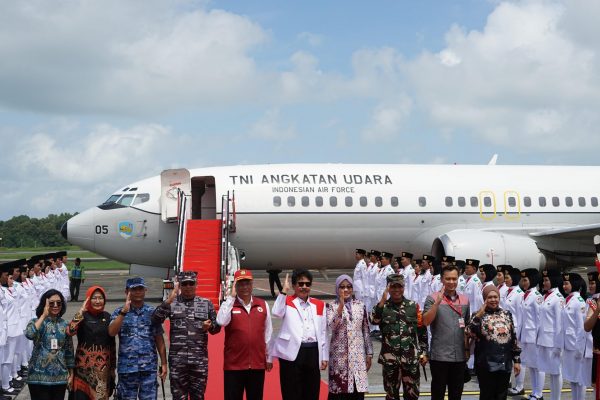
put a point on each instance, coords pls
(124, 57)
(526, 80)
(312, 39)
(271, 127)
(102, 153)
(388, 119)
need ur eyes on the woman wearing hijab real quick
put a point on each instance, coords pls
(350, 350)
(496, 349)
(94, 377)
(52, 361)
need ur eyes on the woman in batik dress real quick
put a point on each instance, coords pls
(95, 359)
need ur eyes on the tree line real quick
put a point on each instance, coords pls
(22, 231)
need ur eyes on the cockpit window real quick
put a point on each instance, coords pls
(141, 198)
(112, 199)
(126, 200)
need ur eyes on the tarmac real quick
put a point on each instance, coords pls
(323, 287)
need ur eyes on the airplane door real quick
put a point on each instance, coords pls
(487, 205)
(170, 181)
(204, 197)
(512, 205)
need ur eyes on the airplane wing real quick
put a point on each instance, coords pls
(583, 232)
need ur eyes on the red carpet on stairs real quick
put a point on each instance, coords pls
(214, 389)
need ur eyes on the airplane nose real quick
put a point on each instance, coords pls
(79, 230)
(63, 230)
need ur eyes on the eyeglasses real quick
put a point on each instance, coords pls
(188, 283)
(307, 284)
(55, 303)
(345, 287)
(100, 298)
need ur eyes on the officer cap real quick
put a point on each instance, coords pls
(407, 254)
(186, 276)
(503, 268)
(18, 263)
(395, 279)
(36, 258)
(575, 280)
(460, 263)
(427, 257)
(361, 251)
(398, 259)
(448, 258)
(515, 275)
(135, 282)
(489, 270)
(418, 261)
(31, 262)
(48, 256)
(61, 254)
(242, 274)
(22, 268)
(592, 276)
(6, 267)
(387, 255)
(375, 253)
(473, 262)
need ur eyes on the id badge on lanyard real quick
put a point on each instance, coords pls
(54, 344)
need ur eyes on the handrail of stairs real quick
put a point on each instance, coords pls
(182, 217)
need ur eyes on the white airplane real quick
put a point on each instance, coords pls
(315, 215)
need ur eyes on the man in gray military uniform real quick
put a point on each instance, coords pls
(191, 318)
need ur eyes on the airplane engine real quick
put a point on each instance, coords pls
(490, 248)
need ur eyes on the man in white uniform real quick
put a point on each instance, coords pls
(406, 269)
(360, 274)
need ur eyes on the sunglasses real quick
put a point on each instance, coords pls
(188, 283)
(348, 287)
(307, 284)
(55, 303)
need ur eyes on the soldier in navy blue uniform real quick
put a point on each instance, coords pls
(139, 339)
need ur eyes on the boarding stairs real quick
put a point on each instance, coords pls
(203, 246)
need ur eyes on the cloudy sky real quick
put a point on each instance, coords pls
(96, 94)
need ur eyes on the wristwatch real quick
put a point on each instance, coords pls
(123, 313)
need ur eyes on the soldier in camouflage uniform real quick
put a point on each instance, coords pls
(139, 339)
(191, 318)
(404, 340)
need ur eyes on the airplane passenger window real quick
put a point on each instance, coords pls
(363, 201)
(277, 201)
(474, 201)
(291, 201)
(378, 201)
(394, 201)
(555, 201)
(126, 200)
(448, 201)
(461, 201)
(527, 201)
(569, 201)
(594, 201)
(422, 201)
(319, 201)
(333, 201)
(348, 201)
(305, 201)
(487, 201)
(581, 201)
(112, 199)
(512, 202)
(542, 200)
(141, 198)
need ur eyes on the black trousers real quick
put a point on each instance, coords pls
(47, 392)
(250, 380)
(447, 374)
(74, 286)
(301, 379)
(274, 279)
(493, 385)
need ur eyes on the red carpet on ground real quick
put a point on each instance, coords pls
(214, 389)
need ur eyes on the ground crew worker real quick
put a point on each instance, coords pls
(139, 339)
(191, 318)
(248, 329)
(404, 340)
(77, 277)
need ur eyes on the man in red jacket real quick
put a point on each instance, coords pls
(248, 328)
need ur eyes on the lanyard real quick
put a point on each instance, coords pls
(569, 298)
(449, 301)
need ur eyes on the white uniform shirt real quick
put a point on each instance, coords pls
(381, 280)
(573, 319)
(550, 328)
(532, 302)
(359, 278)
(409, 274)
(473, 287)
(513, 302)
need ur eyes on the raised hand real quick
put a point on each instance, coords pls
(174, 293)
(84, 305)
(233, 291)
(384, 296)
(127, 305)
(286, 283)
(440, 296)
(46, 309)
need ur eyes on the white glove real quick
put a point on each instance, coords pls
(556, 353)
